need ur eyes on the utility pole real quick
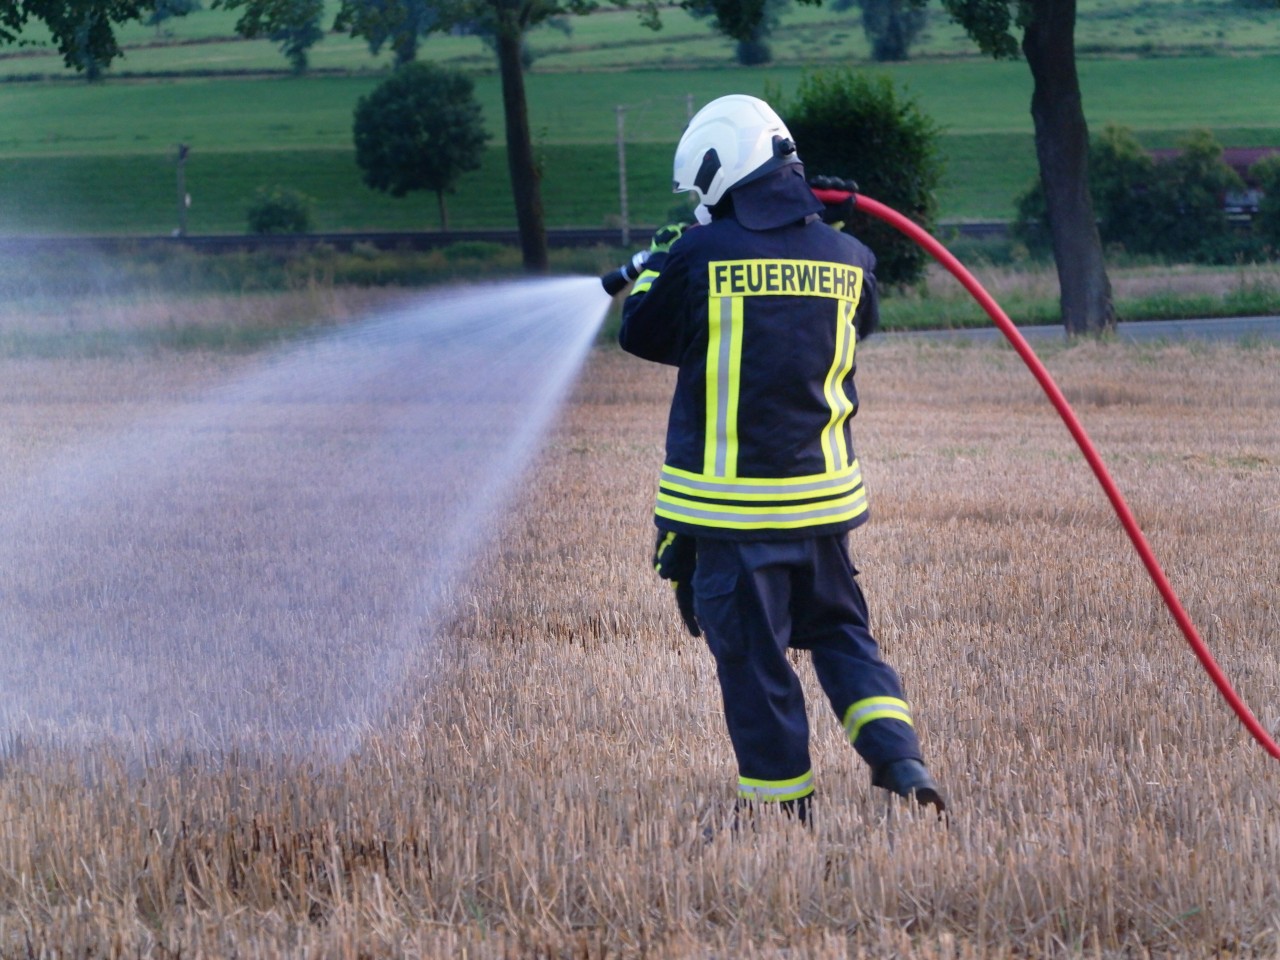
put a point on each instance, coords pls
(184, 200)
(688, 106)
(622, 176)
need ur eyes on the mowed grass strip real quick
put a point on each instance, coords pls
(98, 159)
(138, 195)
(544, 784)
(964, 97)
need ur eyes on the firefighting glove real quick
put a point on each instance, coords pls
(665, 237)
(837, 198)
(675, 557)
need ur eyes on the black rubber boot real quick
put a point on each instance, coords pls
(909, 778)
(745, 811)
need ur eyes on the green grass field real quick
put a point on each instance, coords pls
(82, 158)
(612, 39)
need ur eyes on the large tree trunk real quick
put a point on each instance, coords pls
(1062, 147)
(524, 171)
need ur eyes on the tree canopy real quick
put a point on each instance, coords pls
(850, 125)
(399, 23)
(419, 129)
(1047, 30)
(508, 21)
(293, 24)
(891, 26)
(82, 30)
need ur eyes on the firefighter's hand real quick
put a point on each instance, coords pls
(684, 603)
(665, 237)
(675, 557)
(837, 198)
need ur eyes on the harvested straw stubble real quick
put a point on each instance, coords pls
(544, 792)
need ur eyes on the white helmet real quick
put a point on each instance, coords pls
(729, 142)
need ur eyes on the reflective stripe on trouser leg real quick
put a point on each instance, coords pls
(775, 791)
(831, 621)
(874, 708)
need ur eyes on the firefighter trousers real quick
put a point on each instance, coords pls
(754, 600)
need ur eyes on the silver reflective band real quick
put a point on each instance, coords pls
(763, 488)
(875, 708)
(726, 371)
(785, 790)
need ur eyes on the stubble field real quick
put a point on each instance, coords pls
(552, 758)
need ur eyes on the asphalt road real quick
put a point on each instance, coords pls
(1249, 329)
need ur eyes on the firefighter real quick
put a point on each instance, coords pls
(761, 309)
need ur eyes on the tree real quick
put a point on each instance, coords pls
(1187, 215)
(293, 24)
(1267, 222)
(1062, 142)
(400, 23)
(419, 129)
(166, 10)
(891, 26)
(86, 58)
(847, 124)
(508, 21)
(752, 38)
(1121, 180)
(485, 32)
(1171, 209)
(82, 30)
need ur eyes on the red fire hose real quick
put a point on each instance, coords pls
(940, 253)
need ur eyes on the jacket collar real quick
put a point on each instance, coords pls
(775, 200)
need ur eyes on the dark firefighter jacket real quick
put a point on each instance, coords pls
(762, 324)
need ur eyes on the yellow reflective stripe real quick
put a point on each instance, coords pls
(662, 548)
(733, 387)
(724, 357)
(644, 282)
(767, 517)
(815, 490)
(776, 791)
(834, 449)
(851, 333)
(875, 708)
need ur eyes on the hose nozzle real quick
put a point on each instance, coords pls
(615, 281)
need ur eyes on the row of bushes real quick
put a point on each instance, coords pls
(1172, 209)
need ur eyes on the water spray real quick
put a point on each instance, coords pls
(265, 564)
(614, 282)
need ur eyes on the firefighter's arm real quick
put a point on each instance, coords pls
(652, 314)
(867, 318)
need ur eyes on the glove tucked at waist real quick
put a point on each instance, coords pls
(675, 557)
